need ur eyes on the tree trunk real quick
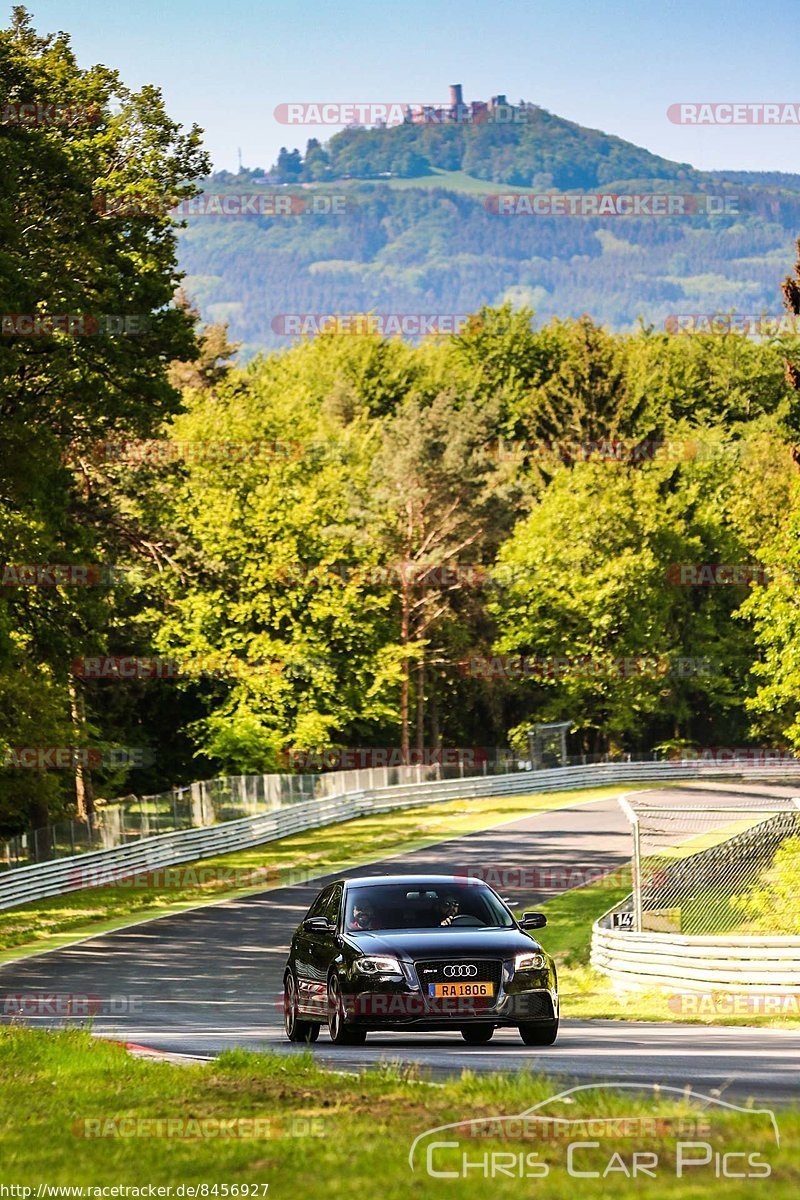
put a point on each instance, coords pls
(435, 735)
(404, 685)
(40, 835)
(421, 703)
(84, 792)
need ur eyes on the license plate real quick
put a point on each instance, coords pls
(475, 988)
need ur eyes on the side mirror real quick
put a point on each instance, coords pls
(318, 925)
(532, 920)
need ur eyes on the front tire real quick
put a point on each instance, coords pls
(539, 1033)
(341, 1033)
(477, 1035)
(297, 1030)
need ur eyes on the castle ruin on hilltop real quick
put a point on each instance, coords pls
(476, 112)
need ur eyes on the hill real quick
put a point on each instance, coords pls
(518, 145)
(405, 222)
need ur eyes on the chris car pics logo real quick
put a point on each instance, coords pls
(697, 1138)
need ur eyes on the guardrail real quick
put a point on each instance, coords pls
(723, 963)
(71, 874)
(206, 802)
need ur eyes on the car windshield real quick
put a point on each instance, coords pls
(424, 906)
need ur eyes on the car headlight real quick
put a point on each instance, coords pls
(378, 964)
(529, 962)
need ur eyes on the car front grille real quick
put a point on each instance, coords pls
(488, 970)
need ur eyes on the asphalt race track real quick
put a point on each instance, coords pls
(209, 979)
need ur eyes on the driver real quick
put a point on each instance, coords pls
(362, 917)
(450, 908)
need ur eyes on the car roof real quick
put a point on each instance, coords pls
(417, 880)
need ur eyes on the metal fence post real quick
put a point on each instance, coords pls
(637, 862)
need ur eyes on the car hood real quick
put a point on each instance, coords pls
(441, 943)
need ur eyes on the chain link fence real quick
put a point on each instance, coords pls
(212, 801)
(716, 868)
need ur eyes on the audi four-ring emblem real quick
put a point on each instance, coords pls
(460, 970)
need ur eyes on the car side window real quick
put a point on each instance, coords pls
(318, 907)
(333, 904)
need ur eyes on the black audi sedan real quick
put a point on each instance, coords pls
(418, 953)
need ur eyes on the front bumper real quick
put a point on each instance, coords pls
(386, 1003)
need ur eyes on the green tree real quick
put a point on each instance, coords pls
(588, 586)
(85, 193)
(273, 563)
(440, 506)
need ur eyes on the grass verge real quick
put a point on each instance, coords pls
(80, 1112)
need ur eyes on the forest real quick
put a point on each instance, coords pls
(215, 565)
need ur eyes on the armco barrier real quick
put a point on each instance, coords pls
(723, 963)
(69, 874)
(206, 802)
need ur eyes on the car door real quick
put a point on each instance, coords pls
(324, 946)
(306, 955)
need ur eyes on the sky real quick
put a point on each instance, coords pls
(614, 65)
